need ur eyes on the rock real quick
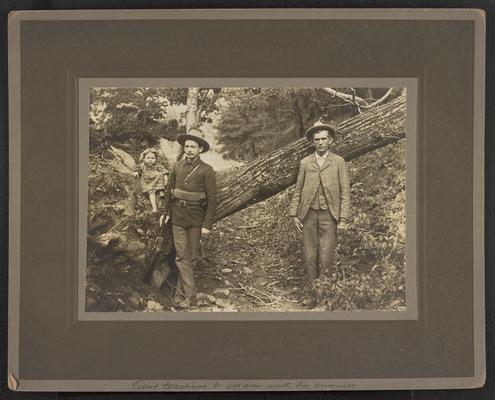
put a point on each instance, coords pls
(202, 302)
(230, 308)
(105, 238)
(248, 270)
(124, 157)
(211, 298)
(228, 283)
(160, 274)
(395, 304)
(132, 249)
(158, 278)
(153, 306)
(224, 293)
(132, 246)
(135, 299)
(222, 303)
(91, 301)
(226, 270)
(205, 299)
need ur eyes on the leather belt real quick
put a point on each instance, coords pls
(184, 203)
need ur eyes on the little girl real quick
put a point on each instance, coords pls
(153, 176)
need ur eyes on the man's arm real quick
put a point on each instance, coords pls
(345, 192)
(168, 191)
(163, 173)
(171, 177)
(296, 198)
(211, 196)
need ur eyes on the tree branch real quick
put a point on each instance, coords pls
(356, 100)
(381, 99)
(348, 98)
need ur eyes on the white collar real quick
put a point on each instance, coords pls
(323, 157)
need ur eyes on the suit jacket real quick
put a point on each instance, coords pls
(335, 182)
(203, 179)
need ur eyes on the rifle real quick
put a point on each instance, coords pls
(150, 265)
(156, 251)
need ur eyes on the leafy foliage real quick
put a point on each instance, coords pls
(253, 122)
(256, 121)
(133, 118)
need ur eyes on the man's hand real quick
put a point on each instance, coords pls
(164, 219)
(298, 224)
(342, 227)
(205, 231)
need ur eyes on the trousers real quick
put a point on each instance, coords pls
(319, 242)
(187, 245)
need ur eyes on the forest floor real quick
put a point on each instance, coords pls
(241, 262)
(239, 270)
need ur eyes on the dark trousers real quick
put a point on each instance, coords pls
(187, 246)
(319, 241)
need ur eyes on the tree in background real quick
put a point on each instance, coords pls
(253, 121)
(133, 118)
(256, 121)
(137, 118)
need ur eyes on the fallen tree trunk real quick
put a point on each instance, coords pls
(268, 175)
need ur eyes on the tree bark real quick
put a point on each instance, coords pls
(192, 109)
(192, 117)
(298, 119)
(270, 174)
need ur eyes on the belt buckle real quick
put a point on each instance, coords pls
(182, 203)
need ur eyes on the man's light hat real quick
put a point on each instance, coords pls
(319, 126)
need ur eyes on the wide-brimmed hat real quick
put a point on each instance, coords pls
(318, 127)
(200, 141)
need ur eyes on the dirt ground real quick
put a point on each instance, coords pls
(237, 259)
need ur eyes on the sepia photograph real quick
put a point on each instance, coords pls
(246, 199)
(225, 193)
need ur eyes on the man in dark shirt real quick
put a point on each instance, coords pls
(194, 200)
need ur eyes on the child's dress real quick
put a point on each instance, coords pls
(152, 178)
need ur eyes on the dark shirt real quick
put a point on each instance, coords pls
(202, 179)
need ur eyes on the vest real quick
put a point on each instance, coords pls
(319, 201)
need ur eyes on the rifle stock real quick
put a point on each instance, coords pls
(150, 266)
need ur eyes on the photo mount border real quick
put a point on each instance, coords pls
(15, 19)
(411, 86)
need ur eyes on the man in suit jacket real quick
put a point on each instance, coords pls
(194, 200)
(320, 206)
